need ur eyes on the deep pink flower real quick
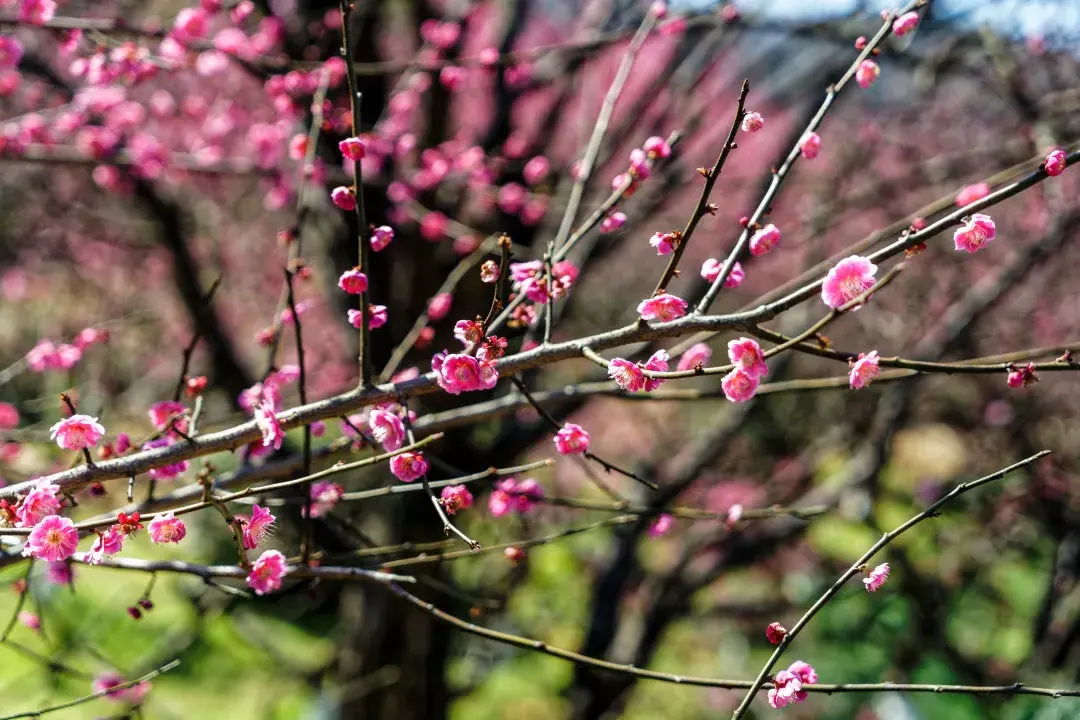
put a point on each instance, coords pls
(267, 572)
(764, 240)
(9, 416)
(37, 12)
(639, 164)
(439, 306)
(377, 316)
(38, 503)
(166, 528)
(269, 425)
(657, 363)
(612, 222)
(353, 281)
(381, 237)
(500, 501)
(905, 23)
(77, 432)
(106, 544)
(810, 145)
(698, 354)
(876, 577)
(970, 193)
(352, 148)
(387, 429)
(256, 528)
(627, 375)
(536, 170)
(11, 51)
(775, 633)
(661, 525)
(123, 443)
(571, 439)
(456, 498)
(325, 494)
(433, 226)
(748, 356)
(864, 370)
(53, 539)
(408, 466)
(739, 385)
(664, 242)
(344, 198)
(459, 373)
(752, 122)
(509, 494)
(867, 73)
(976, 232)
(804, 671)
(1022, 377)
(662, 307)
(785, 687)
(161, 412)
(1055, 163)
(849, 279)
(657, 147)
(106, 681)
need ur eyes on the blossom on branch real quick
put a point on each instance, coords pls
(77, 432)
(267, 572)
(53, 539)
(572, 439)
(847, 280)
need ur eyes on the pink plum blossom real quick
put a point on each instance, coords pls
(1022, 377)
(269, 425)
(105, 545)
(775, 633)
(37, 12)
(976, 232)
(664, 243)
(786, 685)
(439, 306)
(161, 412)
(257, 527)
(764, 240)
(810, 145)
(377, 317)
(661, 525)
(905, 23)
(381, 237)
(40, 502)
(695, 355)
(352, 148)
(344, 198)
(657, 147)
(658, 362)
(867, 73)
(752, 122)
(353, 281)
(77, 432)
(612, 222)
(387, 429)
(267, 572)
(325, 494)
(864, 370)
(572, 439)
(1055, 163)
(166, 528)
(52, 540)
(9, 416)
(971, 193)
(455, 498)
(847, 280)
(458, 373)
(876, 577)
(663, 307)
(489, 271)
(408, 466)
(627, 375)
(536, 170)
(747, 354)
(107, 681)
(739, 385)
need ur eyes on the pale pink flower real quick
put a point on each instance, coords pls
(353, 281)
(387, 429)
(739, 385)
(1055, 163)
(352, 148)
(663, 307)
(657, 363)
(710, 269)
(29, 620)
(849, 279)
(810, 145)
(639, 164)
(40, 502)
(161, 412)
(775, 633)
(106, 681)
(659, 9)
(325, 494)
(105, 545)
(877, 577)
(53, 539)
(469, 331)
(344, 198)
(976, 232)
(752, 122)
(657, 147)
(77, 432)
(489, 271)
(509, 495)
(40, 357)
(456, 498)
(867, 73)
(267, 572)
(536, 170)
(439, 306)
(764, 240)
(256, 528)
(664, 242)
(500, 501)
(748, 355)
(661, 525)
(166, 528)
(905, 23)
(269, 425)
(785, 687)
(970, 193)
(381, 237)
(805, 672)
(864, 370)
(408, 466)
(627, 375)
(612, 222)
(571, 439)
(191, 24)
(698, 354)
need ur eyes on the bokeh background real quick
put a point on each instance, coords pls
(203, 181)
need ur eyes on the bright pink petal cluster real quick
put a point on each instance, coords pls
(456, 498)
(381, 237)
(627, 375)
(764, 240)
(752, 122)
(511, 495)
(269, 425)
(167, 528)
(458, 373)
(658, 362)
(572, 439)
(905, 23)
(876, 577)
(698, 354)
(267, 572)
(977, 231)
(739, 385)
(40, 502)
(52, 540)
(77, 432)
(748, 356)
(788, 684)
(663, 307)
(867, 73)
(387, 428)
(849, 279)
(810, 145)
(352, 148)
(353, 281)
(664, 243)
(408, 466)
(105, 545)
(1055, 163)
(864, 370)
(106, 681)
(46, 355)
(257, 526)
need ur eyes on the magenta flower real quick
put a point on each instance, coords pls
(387, 429)
(627, 375)
(166, 528)
(501, 501)
(353, 281)
(710, 269)
(664, 242)
(810, 145)
(775, 633)
(739, 385)
(269, 425)
(161, 412)
(639, 164)
(1022, 377)
(612, 222)
(468, 332)
(11, 51)
(105, 545)
(325, 494)
(657, 363)
(408, 466)
(976, 232)
(525, 493)
(877, 577)
(77, 432)
(38, 503)
(849, 279)
(867, 73)
(381, 237)
(970, 193)
(106, 681)
(29, 620)
(657, 147)
(748, 356)
(571, 439)
(257, 527)
(662, 307)
(352, 148)
(764, 240)
(344, 197)
(37, 12)
(863, 370)
(786, 685)
(455, 498)
(752, 122)
(267, 572)
(905, 23)
(536, 170)
(1055, 163)
(377, 317)
(661, 525)
(698, 354)
(9, 416)
(458, 373)
(53, 539)
(439, 306)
